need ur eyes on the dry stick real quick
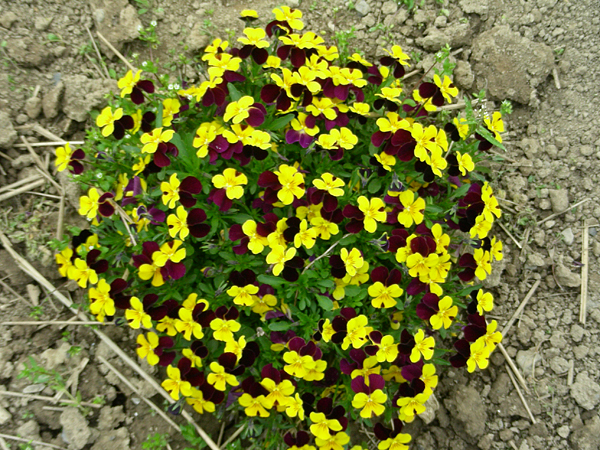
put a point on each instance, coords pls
(221, 434)
(556, 80)
(16, 184)
(49, 144)
(327, 252)
(61, 217)
(4, 445)
(97, 52)
(521, 396)
(33, 273)
(47, 399)
(4, 155)
(520, 308)
(116, 52)
(127, 383)
(73, 380)
(584, 272)
(15, 293)
(571, 372)
(233, 436)
(518, 244)
(552, 216)
(58, 322)
(47, 134)
(459, 105)
(30, 441)
(513, 367)
(91, 61)
(22, 189)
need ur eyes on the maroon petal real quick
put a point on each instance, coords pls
(127, 122)
(256, 117)
(353, 212)
(137, 96)
(358, 385)
(269, 93)
(106, 209)
(380, 274)
(427, 90)
(379, 137)
(161, 160)
(394, 278)
(298, 57)
(75, 167)
(354, 226)
(175, 270)
(146, 85)
(376, 382)
(233, 77)
(191, 185)
(269, 179)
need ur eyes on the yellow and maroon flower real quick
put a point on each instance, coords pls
(132, 85)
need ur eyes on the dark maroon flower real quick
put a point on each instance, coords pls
(430, 90)
(195, 224)
(428, 306)
(100, 266)
(137, 96)
(189, 186)
(75, 166)
(124, 123)
(148, 122)
(106, 207)
(463, 353)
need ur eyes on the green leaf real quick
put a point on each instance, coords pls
(233, 92)
(325, 283)
(271, 280)
(280, 122)
(279, 326)
(374, 185)
(325, 302)
(352, 291)
(461, 191)
(159, 116)
(489, 137)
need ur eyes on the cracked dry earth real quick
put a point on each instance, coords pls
(541, 54)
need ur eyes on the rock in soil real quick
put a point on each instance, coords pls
(501, 51)
(76, 431)
(585, 391)
(587, 437)
(469, 412)
(8, 135)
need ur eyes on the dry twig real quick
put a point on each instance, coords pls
(49, 144)
(552, 216)
(585, 255)
(521, 396)
(29, 441)
(97, 52)
(22, 189)
(517, 243)
(47, 399)
(514, 368)
(520, 308)
(116, 52)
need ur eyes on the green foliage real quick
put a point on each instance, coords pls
(156, 441)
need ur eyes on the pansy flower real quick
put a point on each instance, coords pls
(396, 59)
(66, 157)
(385, 288)
(131, 84)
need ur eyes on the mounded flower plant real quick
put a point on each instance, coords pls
(300, 238)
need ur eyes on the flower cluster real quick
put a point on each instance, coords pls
(300, 236)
